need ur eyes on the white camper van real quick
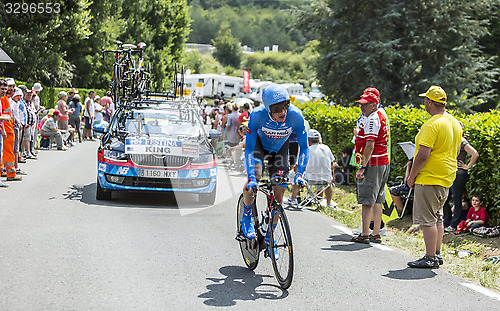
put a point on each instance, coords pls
(214, 84)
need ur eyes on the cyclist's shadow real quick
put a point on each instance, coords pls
(240, 283)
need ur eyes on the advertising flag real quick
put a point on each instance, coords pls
(246, 81)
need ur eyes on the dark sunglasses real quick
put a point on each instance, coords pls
(277, 108)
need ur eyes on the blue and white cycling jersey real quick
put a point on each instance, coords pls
(274, 135)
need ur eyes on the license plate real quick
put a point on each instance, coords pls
(158, 173)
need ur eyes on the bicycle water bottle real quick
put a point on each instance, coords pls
(265, 224)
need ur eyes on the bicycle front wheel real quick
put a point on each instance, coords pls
(280, 243)
(249, 248)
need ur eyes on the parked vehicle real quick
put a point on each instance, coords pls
(211, 85)
(156, 144)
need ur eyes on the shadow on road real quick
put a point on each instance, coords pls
(240, 283)
(125, 199)
(410, 274)
(344, 247)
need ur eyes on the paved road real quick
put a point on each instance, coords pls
(60, 249)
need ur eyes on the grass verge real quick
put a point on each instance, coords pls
(472, 267)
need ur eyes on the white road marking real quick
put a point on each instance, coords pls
(343, 229)
(349, 232)
(381, 247)
(482, 290)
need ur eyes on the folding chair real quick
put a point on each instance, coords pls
(312, 197)
(409, 149)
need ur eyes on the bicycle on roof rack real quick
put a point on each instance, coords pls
(127, 81)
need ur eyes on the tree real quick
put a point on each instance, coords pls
(65, 49)
(39, 43)
(401, 47)
(227, 48)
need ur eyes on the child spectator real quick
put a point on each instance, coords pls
(476, 217)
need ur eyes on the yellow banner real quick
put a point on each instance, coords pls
(186, 92)
(389, 210)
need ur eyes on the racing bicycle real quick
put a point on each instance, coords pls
(272, 223)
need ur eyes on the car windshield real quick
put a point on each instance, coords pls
(180, 122)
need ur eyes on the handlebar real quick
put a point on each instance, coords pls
(125, 48)
(270, 183)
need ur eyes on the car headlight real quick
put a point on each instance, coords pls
(203, 159)
(115, 155)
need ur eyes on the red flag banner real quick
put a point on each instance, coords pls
(246, 81)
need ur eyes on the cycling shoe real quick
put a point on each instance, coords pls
(247, 226)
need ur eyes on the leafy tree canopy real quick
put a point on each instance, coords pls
(402, 47)
(227, 47)
(255, 23)
(65, 49)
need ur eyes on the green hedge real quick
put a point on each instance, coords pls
(482, 130)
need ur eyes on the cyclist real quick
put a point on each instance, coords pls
(269, 129)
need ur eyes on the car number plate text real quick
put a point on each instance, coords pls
(158, 173)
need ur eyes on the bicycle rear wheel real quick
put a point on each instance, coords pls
(249, 248)
(281, 240)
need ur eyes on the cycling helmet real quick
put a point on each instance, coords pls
(274, 94)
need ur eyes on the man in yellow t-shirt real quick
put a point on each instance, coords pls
(433, 172)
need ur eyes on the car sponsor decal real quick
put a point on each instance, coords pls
(213, 171)
(193, 173)
(122, 170)
(163, 146)
(102, 167)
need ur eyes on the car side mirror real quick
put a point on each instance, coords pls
(100, 128)
(214, 133)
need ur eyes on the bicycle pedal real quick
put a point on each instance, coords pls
(240, 237)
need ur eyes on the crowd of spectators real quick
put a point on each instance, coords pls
(25, 123)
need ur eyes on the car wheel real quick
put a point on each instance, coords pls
(102, 194)
(208, 198)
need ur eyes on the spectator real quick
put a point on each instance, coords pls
(98, 117)
(342, 167)
(458, 187)
(372, 155)
(244, 113)
(45, 118)
(63, 108)
(319, 168)
(71, 93)
(108, 106)
(206, 113)
(37, 107)
(50, 129)
(232, 135)
(37, 88)
(432, 173)
(88, 114)
(476, 217)
(9, 158)
(18, 115)
(74, 117)
(236, 152)
(26, 150)
(4, 118)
